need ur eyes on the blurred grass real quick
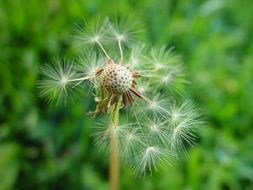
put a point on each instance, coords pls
(48, 147)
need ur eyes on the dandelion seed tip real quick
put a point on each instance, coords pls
(166, 78)
(120, 37)
(150, 149)
(64, 80)
(159, 65)
(95, 39)
(175, 115)
(178, 128)
(129, 136)
(154, 127)
(153, 104)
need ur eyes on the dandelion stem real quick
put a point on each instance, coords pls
(121, 52)
(114, 157)
(100, 45)
(80, 79)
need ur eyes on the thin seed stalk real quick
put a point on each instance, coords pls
(114, 151)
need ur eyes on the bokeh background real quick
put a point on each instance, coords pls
(50, 147)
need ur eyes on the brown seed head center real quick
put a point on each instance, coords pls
(116, 78)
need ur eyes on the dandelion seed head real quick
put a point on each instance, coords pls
(116, 78)
(120, 79)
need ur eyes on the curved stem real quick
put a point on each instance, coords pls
(114, 151)
(81, 79)
(100, 45)
(121, 51)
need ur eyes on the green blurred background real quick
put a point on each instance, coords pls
(50, 147)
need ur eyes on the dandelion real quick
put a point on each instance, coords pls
(144, 127)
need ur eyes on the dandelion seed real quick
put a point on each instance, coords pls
(150, 158)
(130, 144)
(157, 133)
(184, 120)
(124, 30)
(55, 84)
(91, 33)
